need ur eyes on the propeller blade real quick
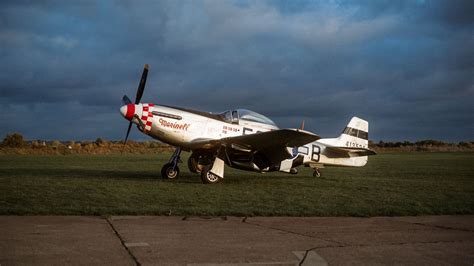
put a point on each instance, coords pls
(141, 86)
(138, 97)
(126, 100)
(128, 132)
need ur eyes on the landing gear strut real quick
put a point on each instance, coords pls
(171, 169)
(316, 173)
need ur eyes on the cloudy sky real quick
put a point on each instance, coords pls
(406, 66)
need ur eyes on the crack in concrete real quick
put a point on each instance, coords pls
(291, 232)
(135, 259)
(337, 244)
(443, 227)
(205, 218)
(433, 226)
(342, 244)
(304, 257)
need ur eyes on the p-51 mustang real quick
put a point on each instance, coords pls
(241, 139)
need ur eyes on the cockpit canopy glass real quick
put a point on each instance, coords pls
(244, 114)
(248, 115)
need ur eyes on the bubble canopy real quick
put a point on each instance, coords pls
(233, 116)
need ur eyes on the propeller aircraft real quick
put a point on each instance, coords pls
(241, 139)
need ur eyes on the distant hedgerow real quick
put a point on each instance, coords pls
(14, 140)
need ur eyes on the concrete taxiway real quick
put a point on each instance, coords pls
(142, 240)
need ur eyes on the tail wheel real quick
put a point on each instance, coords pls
(316, 173)
(169, 171)
(207, 177)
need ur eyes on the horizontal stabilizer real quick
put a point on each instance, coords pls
(348, 151)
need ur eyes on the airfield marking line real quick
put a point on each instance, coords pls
(339, 244)
(135, 259)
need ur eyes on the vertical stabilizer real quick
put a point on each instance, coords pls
(351, 148)
(356, 134)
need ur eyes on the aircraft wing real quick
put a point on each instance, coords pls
(348, 151)
(281, 137)
(271, 144)
(207, 144)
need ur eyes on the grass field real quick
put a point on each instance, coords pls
(391, 184)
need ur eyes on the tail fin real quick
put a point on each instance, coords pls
(356, 134)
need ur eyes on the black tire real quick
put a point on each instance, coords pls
(208, 177)
(192, 164)
(198, 161)
(167, 172)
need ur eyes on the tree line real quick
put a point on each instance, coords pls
(16, 140)
(428, 142)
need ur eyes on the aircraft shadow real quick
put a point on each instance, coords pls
(133, 174)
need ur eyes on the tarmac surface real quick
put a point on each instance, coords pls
(142, 240)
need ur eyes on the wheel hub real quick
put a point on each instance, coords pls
(171, 173)
(212, 177)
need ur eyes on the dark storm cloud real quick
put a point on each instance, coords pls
(406, 66)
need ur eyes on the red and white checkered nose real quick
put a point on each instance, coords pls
(128, 111)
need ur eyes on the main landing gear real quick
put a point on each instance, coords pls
(201, 162)
(197, 163)
(171, 169)
(207, 177)
(214, 171)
